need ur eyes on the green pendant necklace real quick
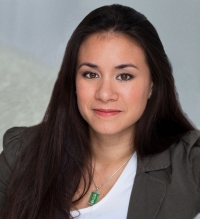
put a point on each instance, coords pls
(94, 195)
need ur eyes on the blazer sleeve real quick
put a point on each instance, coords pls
(192, 141)
(195, 161)
(11, 145)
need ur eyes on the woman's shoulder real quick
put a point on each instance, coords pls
(188, 145)
(14, 140)
(187, 151)
(191, 140)
(192, 145)
(182, 157)
(11, 144)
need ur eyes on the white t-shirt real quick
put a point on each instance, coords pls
(115, 204)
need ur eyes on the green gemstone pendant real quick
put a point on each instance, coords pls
(93, 197)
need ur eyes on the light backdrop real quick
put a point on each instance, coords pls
(33, 36)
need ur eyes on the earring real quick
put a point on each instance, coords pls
(151, 90)
(150, 94)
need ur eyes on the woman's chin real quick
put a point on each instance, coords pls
(111, 131)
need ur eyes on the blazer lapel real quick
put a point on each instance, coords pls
(148, 192)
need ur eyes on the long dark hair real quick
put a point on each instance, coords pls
(58, 155)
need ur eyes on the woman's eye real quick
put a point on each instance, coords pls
(90, 75)
(124, 77)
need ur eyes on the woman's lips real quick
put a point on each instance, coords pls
(106, 112)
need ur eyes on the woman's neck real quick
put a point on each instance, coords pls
(108, 150)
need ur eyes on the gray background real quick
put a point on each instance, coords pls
(33, 36)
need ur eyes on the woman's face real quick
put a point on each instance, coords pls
(113, 83)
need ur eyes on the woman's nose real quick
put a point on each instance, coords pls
(106, 91)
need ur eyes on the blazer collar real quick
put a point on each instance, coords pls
(154, 162)
(162, 160)
(148, 192)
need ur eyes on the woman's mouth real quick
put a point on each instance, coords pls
(106, 112)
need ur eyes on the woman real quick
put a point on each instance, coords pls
(114, 142)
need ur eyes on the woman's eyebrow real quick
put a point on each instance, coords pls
(125, 66)
(117, 67)
(88, 64)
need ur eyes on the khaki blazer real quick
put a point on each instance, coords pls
(166, 186)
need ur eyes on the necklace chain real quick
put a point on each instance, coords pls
(97, 188)
(94, 196)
